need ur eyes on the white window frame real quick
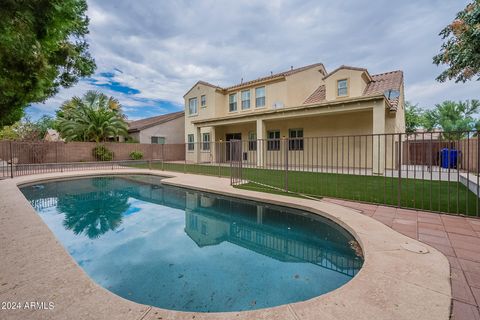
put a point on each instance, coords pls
(252, 141)
(295, 140)
(342, 88)
(260, 101)
(273, 144)
(206, 142)
(203, 101)
(157, 138)
(245, 96)
(193, 104)
(232, 103)
(190, 142)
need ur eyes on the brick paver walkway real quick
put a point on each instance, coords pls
(457, 237)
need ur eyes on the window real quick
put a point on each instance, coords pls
(342, 88)
(260, 97)
(296, 139)
(206, 141)
(273, 142)
(232, 100)
(158, 140)
(192, 106)
(191, 144)
(252, 141)
(245, 99)
(203, 101)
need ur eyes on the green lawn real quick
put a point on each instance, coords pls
(443, 196)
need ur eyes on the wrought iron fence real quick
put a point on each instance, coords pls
(426, 171)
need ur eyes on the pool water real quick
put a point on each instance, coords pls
(187, 250)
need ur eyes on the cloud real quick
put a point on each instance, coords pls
(149, 53)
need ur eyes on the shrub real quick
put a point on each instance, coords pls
(101, 153)
(136, 155)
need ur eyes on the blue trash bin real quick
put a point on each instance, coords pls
(448, 158)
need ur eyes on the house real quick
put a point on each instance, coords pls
(167, 128)
(296, 104)
(52, 135)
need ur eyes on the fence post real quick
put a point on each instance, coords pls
(11, 160)
(286, 163)
(399, 193)
(163, 156)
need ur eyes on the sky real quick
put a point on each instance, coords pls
(150, 53)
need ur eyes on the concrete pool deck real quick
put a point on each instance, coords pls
(396, 281)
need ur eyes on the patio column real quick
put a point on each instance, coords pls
(213, 145)
(378, 146)
(198, 144)
(261, 135)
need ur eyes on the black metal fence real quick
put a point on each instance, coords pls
(426, 171)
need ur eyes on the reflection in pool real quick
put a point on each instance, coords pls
(187, 250)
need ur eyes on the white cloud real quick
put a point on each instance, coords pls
(164, 47)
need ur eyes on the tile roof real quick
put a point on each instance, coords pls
(379, 85)
(153, 121)
(275, 75)
(383, 82)
(317, 96)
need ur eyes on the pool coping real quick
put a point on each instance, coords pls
(394, 282)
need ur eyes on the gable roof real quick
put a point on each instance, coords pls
(142, 124)
(379, 84)
(342, 67)
(203, 83)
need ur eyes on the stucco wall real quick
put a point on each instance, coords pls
(173, 131)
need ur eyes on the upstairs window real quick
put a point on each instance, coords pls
(295, 141)
(192, 106)
(260, 97)
(206, 141)
(342, 88)
(158, 140)
(191, 144)
(203, 101)
(245, 99)
(232, 102)
(273, 143)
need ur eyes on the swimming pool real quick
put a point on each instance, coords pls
(187, 250)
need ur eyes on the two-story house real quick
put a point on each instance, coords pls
(297, 104)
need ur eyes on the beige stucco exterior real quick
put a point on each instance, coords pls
(286, 107)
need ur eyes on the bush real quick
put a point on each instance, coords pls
(101, 153)
(136, 155)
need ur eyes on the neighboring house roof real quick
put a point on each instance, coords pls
(380, 84)
(52, 135)
(142, 124)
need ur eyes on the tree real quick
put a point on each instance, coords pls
(95, 117)
(27, 130)
(413, 117)
(461, 49)
(42, 48)
(453, 118)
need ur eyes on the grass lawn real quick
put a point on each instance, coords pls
(444, 196)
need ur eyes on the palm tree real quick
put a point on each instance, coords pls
(94, 117)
